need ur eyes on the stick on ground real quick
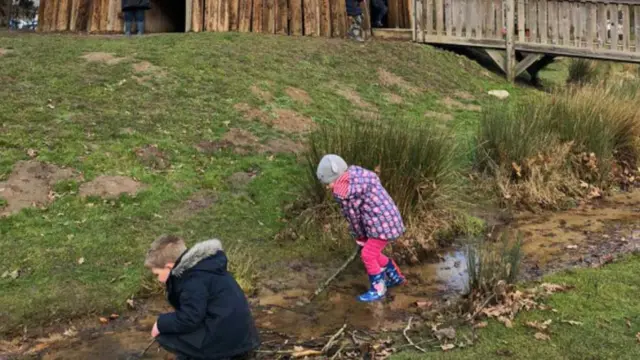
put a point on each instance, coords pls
(331, 341)
(409, 339)
(324, 285)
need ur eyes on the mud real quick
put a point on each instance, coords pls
(589, 235)
(30, 184)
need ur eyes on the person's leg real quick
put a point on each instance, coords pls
(140, 21)
(371, 253)
(128, 20)
(380, 10)
(355, 13)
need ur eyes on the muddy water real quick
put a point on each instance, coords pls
(583, 236)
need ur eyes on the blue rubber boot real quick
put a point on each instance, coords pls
(377, 291)
(393, 275)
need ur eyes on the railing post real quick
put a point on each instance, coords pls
(510, 38)
(414, 24)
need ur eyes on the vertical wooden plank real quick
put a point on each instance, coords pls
(234, 15)
(282, 24)
(197, 13)
(73, 15)
(521, 20)
(591, 24)
(532, 20)
(295, 17)
(62, 18)
(336, 19)
(104, 15)
(94, 22)
(268, 16)
(469, 17)
(454, 17)
(41, 16)
(602, 25)
(419, 21)
(342, 18)
(511, 52)
(326, 11)
(613, 13)
(188, 15)
(439, 17)
(636, 16)
(82, 16)
(311, 25)
(392, 14)
(626, 28)
(500, 19)
(244, 15)
(579, 8)
(429, 15)
(366, 21)
(490, 23)
(448, 7)
(111, 15)
(256, 17)
(543, 21)
(210, 14)
(480, 17)
(566, 23)
(225, 16)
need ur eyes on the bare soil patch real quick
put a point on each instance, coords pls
(104, 58)
(455, 104)
(151, 156)
(146, 72)
(390, 79)
(464, 95)
(4, 52)
(242, 140)
(238, 182)
(198, 202)
(212, 147)
(249, 112)
(30, 183)
(351, 95)
(393, 98)
(262, 94)
(298, 95)
(366, 115)
(107, 187)
(283, 146)
(291, 122)
(438, 116)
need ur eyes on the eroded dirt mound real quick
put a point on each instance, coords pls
(249, 112)
(151, 156)
(438, 116)
(351, 95)
(291, 122)
(298, 95)
(198, 202)
(107, 186)
(393, 98)
(242, 140)
(262, 94)
(211, 147)
(390, 79)
(464, 95)
(102, 57)
(146, 71)
(30, 184)
(455, 104)
(282, 146)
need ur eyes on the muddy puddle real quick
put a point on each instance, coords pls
(585, 236)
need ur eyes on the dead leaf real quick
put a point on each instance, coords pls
(542, 337)
(517, 169)
(571, 247)
(628, 323)
(131, 304)
(114, 316)
(4, 275)
(424, 304)
(71, 332)
(539, 326)
(505, 321)
(103, 320)
(32, 153)
(81, 261)
(638, 337)
(572, 322)
(481, 325)
(448, 333)
(300, 352)
(583, 184)
(377, 170)
(15, 274)
(447, 347)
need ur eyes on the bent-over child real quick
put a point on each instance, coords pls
(373, 217)
(212, 319)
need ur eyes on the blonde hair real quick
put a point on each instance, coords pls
(165, 249)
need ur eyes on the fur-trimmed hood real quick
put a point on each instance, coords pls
(193, 256)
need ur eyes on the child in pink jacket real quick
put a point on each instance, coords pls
(373, 218)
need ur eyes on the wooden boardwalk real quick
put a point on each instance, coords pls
(532, 29)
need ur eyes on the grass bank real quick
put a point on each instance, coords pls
(209, 124)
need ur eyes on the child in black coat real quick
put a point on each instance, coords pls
(212, 319)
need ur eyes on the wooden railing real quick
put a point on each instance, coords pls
(603, 29)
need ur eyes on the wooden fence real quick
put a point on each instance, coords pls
(287, 17)
(599, 29)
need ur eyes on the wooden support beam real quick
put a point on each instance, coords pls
(523, 65)
(498, 58)
(511, 50)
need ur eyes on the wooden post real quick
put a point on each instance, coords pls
(429, 17)
(591, 24)
(295, 22)
(196, 15)
(187, 15)
(62, 23)
(613, 12)
(544, 23)
(511, 50)
(234, 15)
(439, 17)
(521, 21)
(257, 16)
(636, 14)
(626, 30)
(602, 21)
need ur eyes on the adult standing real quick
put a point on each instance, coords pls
(134, 11)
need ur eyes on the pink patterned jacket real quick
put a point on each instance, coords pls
(367, 206)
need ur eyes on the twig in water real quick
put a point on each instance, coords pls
(324, 285)
(409, 339)
(335, 336)
(148, 347)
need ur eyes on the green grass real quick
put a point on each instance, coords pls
(603, 300)
(86, 116)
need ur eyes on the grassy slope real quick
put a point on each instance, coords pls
(206, 74)
(604, 299)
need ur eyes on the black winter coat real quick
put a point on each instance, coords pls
(136, 4)
(212, 318)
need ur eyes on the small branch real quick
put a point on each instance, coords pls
(337, 354)
(486, 302)
(409, 339)
(324, 285)
(148, 347)
(332, 340)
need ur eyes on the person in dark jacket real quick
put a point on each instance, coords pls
(212, 319)
(355, 13)
(134, 11)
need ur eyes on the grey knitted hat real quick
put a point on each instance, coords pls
(330, 168)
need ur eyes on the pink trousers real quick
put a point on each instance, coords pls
(372, 257)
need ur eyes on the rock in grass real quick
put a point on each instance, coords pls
(500, 94)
